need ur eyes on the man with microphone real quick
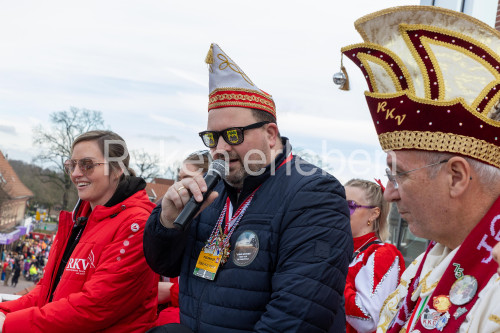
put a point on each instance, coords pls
(270, 250)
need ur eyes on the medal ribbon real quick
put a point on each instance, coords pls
(479, 264)
(218, 240)
(408, 304)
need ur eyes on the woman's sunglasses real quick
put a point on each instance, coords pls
(86, 166)
(353, 206)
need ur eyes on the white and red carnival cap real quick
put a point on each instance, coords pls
(230, 86)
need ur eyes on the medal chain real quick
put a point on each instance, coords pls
(219, 240)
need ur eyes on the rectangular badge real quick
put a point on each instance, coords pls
(207, 264)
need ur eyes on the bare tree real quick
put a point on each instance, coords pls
(172, 170)
(145, 165)
(55, 143)
(310, 156)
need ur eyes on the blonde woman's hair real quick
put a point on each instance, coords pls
(375, 196)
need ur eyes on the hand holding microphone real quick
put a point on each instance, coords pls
(179, 206)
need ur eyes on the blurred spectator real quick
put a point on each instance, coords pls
(376, 267)
(8, 272)
(17, 273)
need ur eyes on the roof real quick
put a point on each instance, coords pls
(156, 191)
(12, 185)
(163, 181)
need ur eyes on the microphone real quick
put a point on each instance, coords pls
(215, 173)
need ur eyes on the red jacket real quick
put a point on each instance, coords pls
(372, 276)
(106, 286)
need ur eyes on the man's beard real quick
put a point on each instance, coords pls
(236, 177)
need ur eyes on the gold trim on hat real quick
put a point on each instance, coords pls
(265, 99)
(365, 57)
(242, 104)
(458, 100)
(358, 23)
(256, 99)
(226, 63)
(444, 142)
(405, 30)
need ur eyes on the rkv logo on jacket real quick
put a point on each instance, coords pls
(79, 266)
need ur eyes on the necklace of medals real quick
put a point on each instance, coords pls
(218, 241)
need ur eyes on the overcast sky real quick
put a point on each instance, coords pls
(142, 64)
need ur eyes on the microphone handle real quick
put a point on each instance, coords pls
(183, 221)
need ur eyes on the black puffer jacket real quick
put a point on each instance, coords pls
(300, 220)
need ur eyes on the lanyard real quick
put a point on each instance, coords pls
(219, 239)
(230, 219)
(416, 314)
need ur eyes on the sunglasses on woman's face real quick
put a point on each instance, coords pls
(353, 206)
(86, 166)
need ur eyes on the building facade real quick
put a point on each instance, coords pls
(14, 196)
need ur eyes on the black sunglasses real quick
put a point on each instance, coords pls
(233, 135)
(86, 166)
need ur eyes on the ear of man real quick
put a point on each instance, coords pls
(459, 174)
(271, 131)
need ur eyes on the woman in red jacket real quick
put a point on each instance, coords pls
(96, 278)
(376, 267)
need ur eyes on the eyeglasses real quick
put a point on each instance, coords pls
(392, 176)
(353, 206)
(86, 166)
(233, 135)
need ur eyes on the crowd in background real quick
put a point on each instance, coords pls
(28, 257)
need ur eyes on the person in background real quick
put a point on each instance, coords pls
(270, 248)
(196, 163)
(8, 272)
(26, 266)
(96, 278)
(376, 267)
(168, 288)
(17, 273)
(5, 263)
(433, 76)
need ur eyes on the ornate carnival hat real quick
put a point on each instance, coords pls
(230, 86)
(434, 80)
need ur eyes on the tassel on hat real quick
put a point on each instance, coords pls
(209, 59)
(346, 83)
(341, 78)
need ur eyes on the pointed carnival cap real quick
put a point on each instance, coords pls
(230, 86)
(434, 80)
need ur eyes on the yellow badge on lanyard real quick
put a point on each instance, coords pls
(207, 264)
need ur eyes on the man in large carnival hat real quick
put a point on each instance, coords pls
(434, 89)
(270, 251)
